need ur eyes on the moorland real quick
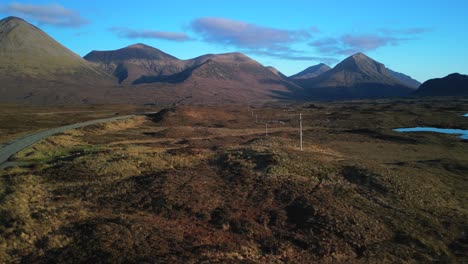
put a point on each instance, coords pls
(207, 184)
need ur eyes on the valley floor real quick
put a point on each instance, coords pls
(206, 184)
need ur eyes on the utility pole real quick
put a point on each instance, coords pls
(300, 128)
(256, 118)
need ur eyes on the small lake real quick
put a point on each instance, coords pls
(462, 133)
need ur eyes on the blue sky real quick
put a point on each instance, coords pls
(424, 39)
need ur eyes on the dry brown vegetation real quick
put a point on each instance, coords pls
(204, 184)
(18, 119)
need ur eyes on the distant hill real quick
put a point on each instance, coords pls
(452, 85)
(311, 72)
(356, 77)
(405, 79)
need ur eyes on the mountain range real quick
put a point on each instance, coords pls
(36, 68)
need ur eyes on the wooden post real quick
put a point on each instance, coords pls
(266, 129)
(300, 128)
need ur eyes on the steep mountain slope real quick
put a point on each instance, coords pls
(27, 51)
(276, 72)
(312, 72)
(357, 76)
(405, 79)
(36, 68)
(452, 85)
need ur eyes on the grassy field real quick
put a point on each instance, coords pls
(206, 184)
(18, 120)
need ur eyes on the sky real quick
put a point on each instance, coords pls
(424, 39)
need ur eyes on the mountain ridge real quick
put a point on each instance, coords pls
(454, 84)
(139, 62)
(356, 77)
(312, 71)
(405, 79)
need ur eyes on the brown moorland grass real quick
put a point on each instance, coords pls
(184, 188)
(19, 120)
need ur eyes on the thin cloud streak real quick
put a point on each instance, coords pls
(252, 38)
(408, 31)
(348, 44)
(51, 14)
(368, 42)
(128, 33)
(245, 35)
(296, 56)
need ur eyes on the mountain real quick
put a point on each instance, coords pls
(34, 65)
(229, 77)
(357, 76)
(28, 52)
(132, 62)
(311, 72)
(277, 72)
(405, 79)
(140, 64)
(452, 85)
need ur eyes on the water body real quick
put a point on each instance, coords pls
(462, 133)
(465, 115)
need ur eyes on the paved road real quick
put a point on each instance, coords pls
(19, 144)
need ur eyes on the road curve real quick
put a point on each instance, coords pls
(21, 143)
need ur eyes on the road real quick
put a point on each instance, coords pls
(19, 144)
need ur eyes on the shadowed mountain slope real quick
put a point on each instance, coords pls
(405, 79)
(452, 85)
(311, 72)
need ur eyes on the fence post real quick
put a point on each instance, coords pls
(300, 128)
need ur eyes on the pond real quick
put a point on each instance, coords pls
(463, 133)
